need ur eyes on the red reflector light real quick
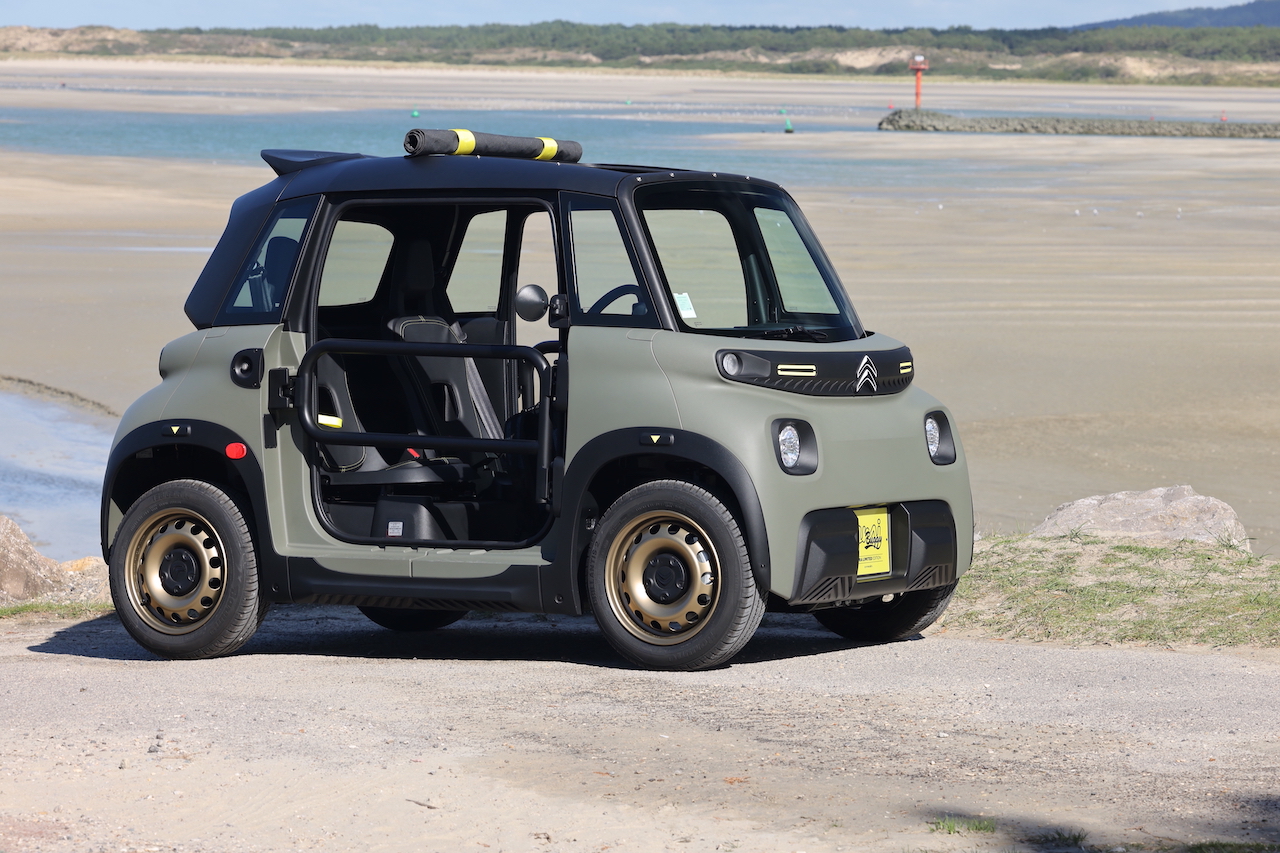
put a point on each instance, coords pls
(236, 450)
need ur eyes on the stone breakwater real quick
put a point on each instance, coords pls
(927, 120)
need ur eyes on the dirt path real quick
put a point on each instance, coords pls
(528, 734)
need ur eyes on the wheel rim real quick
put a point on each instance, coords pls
(662, 578)
(175, 571)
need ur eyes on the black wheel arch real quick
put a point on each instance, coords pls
(614, 462)
(192, 449)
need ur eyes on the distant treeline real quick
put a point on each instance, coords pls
(615, 42)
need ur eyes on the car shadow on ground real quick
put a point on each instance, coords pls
(344, 632)
(1256, 825)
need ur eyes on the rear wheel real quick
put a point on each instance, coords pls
(403, 619)
(184, 574)
(670, 580)
(880, 621)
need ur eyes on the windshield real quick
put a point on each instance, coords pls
(743, 262)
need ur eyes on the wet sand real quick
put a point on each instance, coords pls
(1081, 354)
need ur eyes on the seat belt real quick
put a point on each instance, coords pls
(485, 415)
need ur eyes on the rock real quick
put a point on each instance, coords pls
(24, 572)
(928, 120)
(1171, 514)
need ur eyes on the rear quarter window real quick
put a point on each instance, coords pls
(258, 294)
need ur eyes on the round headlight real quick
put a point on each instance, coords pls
(789, 446)
(932, 435)
(731, 363)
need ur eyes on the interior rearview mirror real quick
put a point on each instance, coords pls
(531, 303)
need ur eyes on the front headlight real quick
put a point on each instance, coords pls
(795, 445)
(932, 435)
(788, 446)
(938, 439)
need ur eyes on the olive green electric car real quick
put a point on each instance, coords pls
(485, 376)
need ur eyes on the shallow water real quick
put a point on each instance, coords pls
(682, 138)
(52, 460)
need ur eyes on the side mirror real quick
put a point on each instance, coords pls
(559, 318)
(531, 303)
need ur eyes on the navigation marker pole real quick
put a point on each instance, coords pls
(919, 65)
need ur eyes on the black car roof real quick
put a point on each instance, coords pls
(333, 172)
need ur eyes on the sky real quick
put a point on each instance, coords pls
(870, 14)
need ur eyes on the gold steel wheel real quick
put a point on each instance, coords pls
(662, 577)
(175, 570)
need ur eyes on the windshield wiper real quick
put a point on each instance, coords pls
(790, 333)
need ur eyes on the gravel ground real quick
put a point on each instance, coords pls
(527, 733)
(929, 120)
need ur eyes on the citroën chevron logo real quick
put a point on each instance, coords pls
(867, 373)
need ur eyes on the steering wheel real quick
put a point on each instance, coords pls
(614, 295)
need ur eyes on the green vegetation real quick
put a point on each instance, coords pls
(1219, 55)
(57, 611)
(1080, 588)
(954, 825)
(614, 42)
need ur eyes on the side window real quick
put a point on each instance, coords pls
(259, 291)
(607, 289)
(476, 280)
(357, 257)
(699, 258)
(536, 265)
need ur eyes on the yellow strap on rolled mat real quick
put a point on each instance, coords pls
(466, 141)
(549, 148)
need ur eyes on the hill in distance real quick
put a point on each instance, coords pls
(1259, 13)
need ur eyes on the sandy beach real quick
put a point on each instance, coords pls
(1082, 352)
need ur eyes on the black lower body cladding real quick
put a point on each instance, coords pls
(923, 554)
(420, 141)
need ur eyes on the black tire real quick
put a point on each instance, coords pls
(404, 619)
(880, 621)
(669, 578)
(184, 573)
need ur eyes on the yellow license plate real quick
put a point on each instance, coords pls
(873, 543)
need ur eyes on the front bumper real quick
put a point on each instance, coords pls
(923, 555)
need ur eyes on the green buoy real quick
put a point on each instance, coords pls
(414, 114)
(787, 128)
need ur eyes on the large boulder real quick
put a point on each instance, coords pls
(24, 572)
(1171, 513)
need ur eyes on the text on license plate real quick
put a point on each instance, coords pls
(873, 542)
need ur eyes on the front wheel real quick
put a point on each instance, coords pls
(184, 574)
(669, 578)
(879, 621)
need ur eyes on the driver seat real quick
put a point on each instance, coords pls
(452, 386)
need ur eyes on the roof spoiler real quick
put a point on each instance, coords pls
(286, 160)
(418, 142)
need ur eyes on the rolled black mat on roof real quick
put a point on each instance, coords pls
(419, 141)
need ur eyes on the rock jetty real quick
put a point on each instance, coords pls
(928, 120)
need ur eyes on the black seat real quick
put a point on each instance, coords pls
(353, 465)
(451, 386)
(277, 266)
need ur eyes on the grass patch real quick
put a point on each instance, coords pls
(1232, 847)
(1062, 838)
(80, 610)
(954, 825)
(1081, 588)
